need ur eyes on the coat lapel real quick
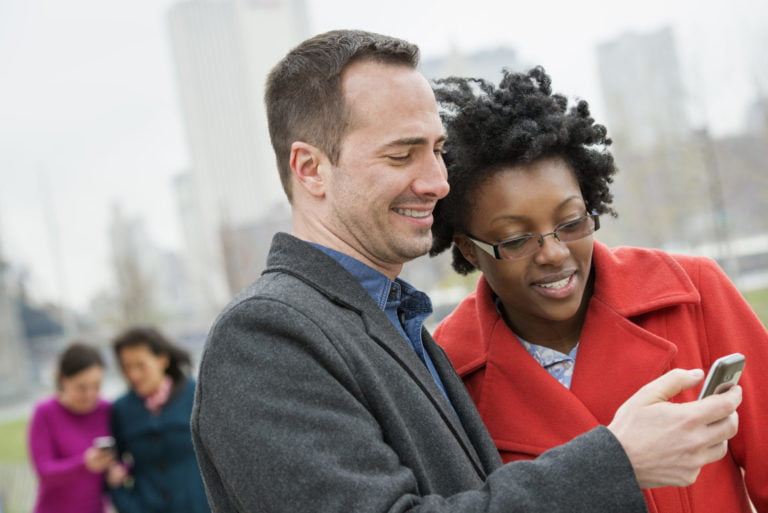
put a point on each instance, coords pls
(461, 414)
(526, 410)
(616, 358)
(381, 330)
(320, 271)
(387, 336)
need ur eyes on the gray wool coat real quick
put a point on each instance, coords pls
(309, 400)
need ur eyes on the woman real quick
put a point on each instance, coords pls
(150, 424)
(62, 433)
(561, 329)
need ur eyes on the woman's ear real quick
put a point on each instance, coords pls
(307, 162)
(466, 247)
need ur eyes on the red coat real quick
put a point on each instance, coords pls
(650, 312)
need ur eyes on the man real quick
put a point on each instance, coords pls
(319, 391)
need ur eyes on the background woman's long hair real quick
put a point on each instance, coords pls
(180, 363)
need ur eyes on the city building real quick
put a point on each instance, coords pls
(152, 286)
(222, 52)
(664, 176)
(643, 90)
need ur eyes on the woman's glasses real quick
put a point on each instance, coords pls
(526, 245)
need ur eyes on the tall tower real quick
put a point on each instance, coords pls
(660, 188)
(223, 51)
(643, 90)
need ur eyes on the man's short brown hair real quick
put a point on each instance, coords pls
(303, 94)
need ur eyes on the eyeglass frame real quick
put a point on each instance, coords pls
(493, 249)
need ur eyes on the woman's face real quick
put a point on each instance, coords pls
(532, 199)
(143, 369)
(79, 393)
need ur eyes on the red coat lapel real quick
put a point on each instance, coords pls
(525, 409)
(616, 357)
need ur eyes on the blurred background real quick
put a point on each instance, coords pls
(137, 184)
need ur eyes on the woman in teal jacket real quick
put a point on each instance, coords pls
(150, 424)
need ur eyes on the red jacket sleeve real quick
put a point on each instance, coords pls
(731, 326)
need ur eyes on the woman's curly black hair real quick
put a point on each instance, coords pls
(490, 128)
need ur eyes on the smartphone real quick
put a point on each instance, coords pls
(104, 442)
(724, 374)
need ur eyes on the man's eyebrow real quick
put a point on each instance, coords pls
(412, 141)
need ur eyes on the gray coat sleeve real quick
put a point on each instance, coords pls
(282, 423)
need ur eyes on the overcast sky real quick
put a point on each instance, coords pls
(89, 114)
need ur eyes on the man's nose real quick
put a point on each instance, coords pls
(432, 181)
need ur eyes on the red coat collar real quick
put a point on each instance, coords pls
(634, 281)
(526, 410)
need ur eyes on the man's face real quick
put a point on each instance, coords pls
(390, 171)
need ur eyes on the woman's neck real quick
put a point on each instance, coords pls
(561, 336)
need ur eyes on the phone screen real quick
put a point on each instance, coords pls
(104, 442)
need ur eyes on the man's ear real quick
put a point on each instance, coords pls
(467, 248)
(307, 162)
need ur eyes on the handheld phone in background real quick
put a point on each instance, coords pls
(724, 374)
(104, 442)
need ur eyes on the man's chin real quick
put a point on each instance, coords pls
(416, 250)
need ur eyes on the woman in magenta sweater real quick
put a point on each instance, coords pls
(62, 432)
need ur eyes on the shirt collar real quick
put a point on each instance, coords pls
(379, 286)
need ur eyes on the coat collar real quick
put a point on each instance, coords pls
(528, 411)
(628, 282)
(320, 271)
(635, 281)
(293, 256)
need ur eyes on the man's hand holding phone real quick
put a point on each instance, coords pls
(668, 443)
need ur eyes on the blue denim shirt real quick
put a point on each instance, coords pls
(405, 306)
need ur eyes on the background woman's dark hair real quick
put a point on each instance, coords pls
(518, 122)
(180, 363)
(77, 357)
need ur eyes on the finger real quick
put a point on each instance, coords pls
(724, 429)
(714, 453)
(717, 407)
(714, 438)
(669, 385)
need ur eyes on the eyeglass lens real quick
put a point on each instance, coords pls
(568, 232)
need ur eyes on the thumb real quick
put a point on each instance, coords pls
(669, 385)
